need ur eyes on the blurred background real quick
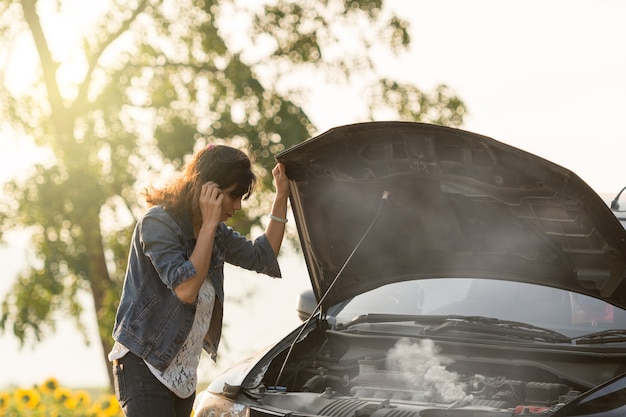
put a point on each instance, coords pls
(102, 98)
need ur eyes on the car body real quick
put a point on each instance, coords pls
(452, 275)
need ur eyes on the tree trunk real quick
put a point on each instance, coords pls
(101, 285)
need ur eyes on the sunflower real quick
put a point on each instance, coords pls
(108, 406)
(5, 399)
(49, 385)
(62, 394)
(78, 400)
(28, 398)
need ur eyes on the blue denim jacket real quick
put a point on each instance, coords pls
(151, 321)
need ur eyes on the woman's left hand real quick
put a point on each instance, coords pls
(281, 182)
(276, 229)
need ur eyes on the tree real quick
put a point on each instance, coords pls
(149, 81)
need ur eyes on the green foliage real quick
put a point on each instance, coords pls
(159, 79)
(440, 106)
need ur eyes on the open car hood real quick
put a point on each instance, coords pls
(459, 205)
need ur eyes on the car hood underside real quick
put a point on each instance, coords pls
(426, 201)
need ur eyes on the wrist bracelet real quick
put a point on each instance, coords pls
(278, 219)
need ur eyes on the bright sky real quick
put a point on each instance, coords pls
(547, 77)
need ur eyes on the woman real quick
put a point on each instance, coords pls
(171, 303)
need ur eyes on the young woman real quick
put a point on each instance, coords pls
(171, 303)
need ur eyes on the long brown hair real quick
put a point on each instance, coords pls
(221, 164)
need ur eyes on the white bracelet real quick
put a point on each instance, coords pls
(278, 219)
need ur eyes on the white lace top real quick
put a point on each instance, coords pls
(181, 377)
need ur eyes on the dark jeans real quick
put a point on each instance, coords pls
(140, 394)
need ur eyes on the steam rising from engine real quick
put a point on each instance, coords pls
(420, 365)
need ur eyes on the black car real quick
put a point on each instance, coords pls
(452, 275)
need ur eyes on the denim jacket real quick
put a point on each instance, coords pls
(151, 321)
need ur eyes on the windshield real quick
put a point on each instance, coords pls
(568, 313)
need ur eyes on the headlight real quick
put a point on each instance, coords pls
(209, 405)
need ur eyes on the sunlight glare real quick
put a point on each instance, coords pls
(64, 31)
(22, 66)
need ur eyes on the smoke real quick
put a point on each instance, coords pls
(420, 365)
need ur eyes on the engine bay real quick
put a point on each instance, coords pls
(348, 374)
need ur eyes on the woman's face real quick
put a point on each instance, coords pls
(231, 203)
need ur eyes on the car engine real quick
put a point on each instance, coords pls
(351, 376)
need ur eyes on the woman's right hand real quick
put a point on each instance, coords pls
(211, 203)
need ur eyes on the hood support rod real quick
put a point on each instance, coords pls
(384, 199)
